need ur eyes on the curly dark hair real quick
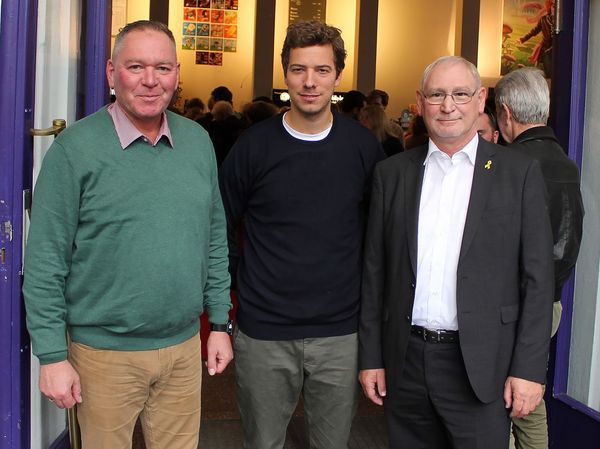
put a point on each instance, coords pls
(307, 33)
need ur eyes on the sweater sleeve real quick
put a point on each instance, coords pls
(216, 291)
(233, 179)
(48, 254)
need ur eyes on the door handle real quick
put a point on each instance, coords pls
(58, 124)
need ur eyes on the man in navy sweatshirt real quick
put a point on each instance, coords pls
(299, 182)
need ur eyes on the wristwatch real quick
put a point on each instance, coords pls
(227, 327)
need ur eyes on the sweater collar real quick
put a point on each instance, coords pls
(128, 133)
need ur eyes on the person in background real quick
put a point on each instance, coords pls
(224, 129)
(416, 134)
(352, 104)
(194, 109)
(258, 110)
(220, 93)
(374, 118)
(523, 105)
(457, 283)
(299, 181)
(381, 99)
(126, 249)
(487, 126)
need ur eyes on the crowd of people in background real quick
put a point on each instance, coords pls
(427, 261)
(224, 124)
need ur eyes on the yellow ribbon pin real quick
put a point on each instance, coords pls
(488, 165)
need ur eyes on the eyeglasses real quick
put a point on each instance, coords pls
(459, 97)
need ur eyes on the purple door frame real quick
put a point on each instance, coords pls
(570, 423)
(17, 78)
(17, 75)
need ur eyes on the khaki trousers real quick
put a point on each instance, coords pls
(531, 431)
(160, 386)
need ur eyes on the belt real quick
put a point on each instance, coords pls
(435, 335)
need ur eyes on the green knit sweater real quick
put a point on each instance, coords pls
(126, 247)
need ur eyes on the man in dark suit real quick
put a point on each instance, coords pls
(523, 105)
(458, 278)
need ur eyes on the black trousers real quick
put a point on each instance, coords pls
(434, 406)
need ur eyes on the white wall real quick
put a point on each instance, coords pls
(411, 34)
(490, 39)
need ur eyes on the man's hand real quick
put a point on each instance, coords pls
(219, 352)
(522, 395)
(60, 383)
(373, 384)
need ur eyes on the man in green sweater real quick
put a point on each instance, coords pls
(127, 248)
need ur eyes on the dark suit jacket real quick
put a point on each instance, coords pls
(504, 276)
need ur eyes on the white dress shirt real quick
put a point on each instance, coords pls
(442, 212)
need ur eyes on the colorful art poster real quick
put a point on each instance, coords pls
(217, 16)
(230, 17)
(189, 14)
(202, 57)
(230, 45)
(204, 15)
(215, 58)
(216, 30)
(202, 43)
(210, 27)
(188, 43)
(216, 44)
(203, 29)
(189, 28)
(527, 35)
(230, 31)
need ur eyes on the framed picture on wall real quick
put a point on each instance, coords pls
(527, 35)
(210, 27)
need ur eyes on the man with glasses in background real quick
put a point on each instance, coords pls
(457, 283)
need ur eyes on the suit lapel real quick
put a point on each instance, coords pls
(483, 174)
(412, 188)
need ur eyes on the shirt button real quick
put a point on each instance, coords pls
(407, 317)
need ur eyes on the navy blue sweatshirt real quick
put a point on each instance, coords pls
(303, 206)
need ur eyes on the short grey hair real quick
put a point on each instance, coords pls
(451, 60)
(141, 25)
(525, 92)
